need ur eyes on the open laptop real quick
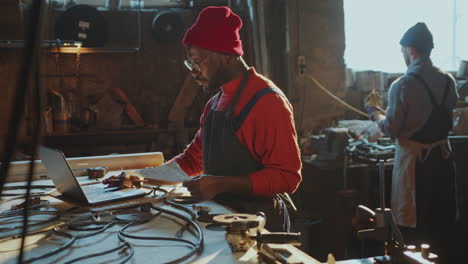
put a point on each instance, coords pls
(67, 185)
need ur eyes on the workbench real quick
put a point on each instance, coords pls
(322, 195)
(215, 246)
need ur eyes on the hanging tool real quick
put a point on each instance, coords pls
(129, 107)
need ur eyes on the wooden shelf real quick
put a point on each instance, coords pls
(84, 50)
(91, 141)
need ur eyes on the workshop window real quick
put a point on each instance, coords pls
(122, 4)
(148, 4)
(66, 3)
(373, 29)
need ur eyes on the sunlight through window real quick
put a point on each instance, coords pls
(374, 28)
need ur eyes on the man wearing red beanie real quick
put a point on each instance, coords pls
(246, 148)
(245, 153)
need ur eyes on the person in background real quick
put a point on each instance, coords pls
(419, 117)
(245, 154)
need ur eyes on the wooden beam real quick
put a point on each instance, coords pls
(184, 99)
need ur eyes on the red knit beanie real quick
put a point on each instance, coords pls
(216, 29)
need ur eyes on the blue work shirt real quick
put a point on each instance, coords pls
(409, 105)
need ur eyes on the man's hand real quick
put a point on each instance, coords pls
(204, 187)
(373, 103)
(373, 99)
(375, 113)
(123, 181)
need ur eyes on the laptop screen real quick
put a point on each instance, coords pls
(60, 173)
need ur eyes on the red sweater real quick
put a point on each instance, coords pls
(268, 132)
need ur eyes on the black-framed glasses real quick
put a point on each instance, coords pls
(192, 66)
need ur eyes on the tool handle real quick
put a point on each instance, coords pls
(279, 238)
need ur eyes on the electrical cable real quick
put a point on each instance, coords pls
(123, 234)
(57, 230)
(22, 195)
(55, 214)
(196, 247)
(8, 219)
(126, 244)
(21, 187)
(27, 69)
(12, 211)
(98, 231)
(350, 107)
(85, 221)
(56, 250)
(78, 225)
(36, 132)
(171, 202)
(32, 195)
(88, 226)
(104, 228)
(183, 200)
(81, 221)
(197, 228)
(192, 213)
(18, 196)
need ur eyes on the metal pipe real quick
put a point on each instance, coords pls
(382, 183)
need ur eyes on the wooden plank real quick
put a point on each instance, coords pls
(292, 51)
(19, 169)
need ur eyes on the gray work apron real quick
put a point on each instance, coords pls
(225, 155)
(423, 183)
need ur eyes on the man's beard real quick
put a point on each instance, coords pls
(210, 89)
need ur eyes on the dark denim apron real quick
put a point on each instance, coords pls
(435, 177)
(224, 155)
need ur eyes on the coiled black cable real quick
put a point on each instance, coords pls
(22, 195)
(9, 217)
(56, 250)
(124, 245)
(192, 214)
(15, 211)
(199, 245)
(97, 231)
(90, 223)
(123, 234)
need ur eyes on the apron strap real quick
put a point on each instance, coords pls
(238, 120)
(426, 87)
(242, 85)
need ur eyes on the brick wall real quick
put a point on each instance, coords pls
(316, 31)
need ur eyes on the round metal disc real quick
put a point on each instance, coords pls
(227, 219)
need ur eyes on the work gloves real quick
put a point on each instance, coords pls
(373, 105)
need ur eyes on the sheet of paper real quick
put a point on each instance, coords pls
(168, 172)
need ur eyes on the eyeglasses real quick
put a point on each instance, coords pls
(192, 66)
